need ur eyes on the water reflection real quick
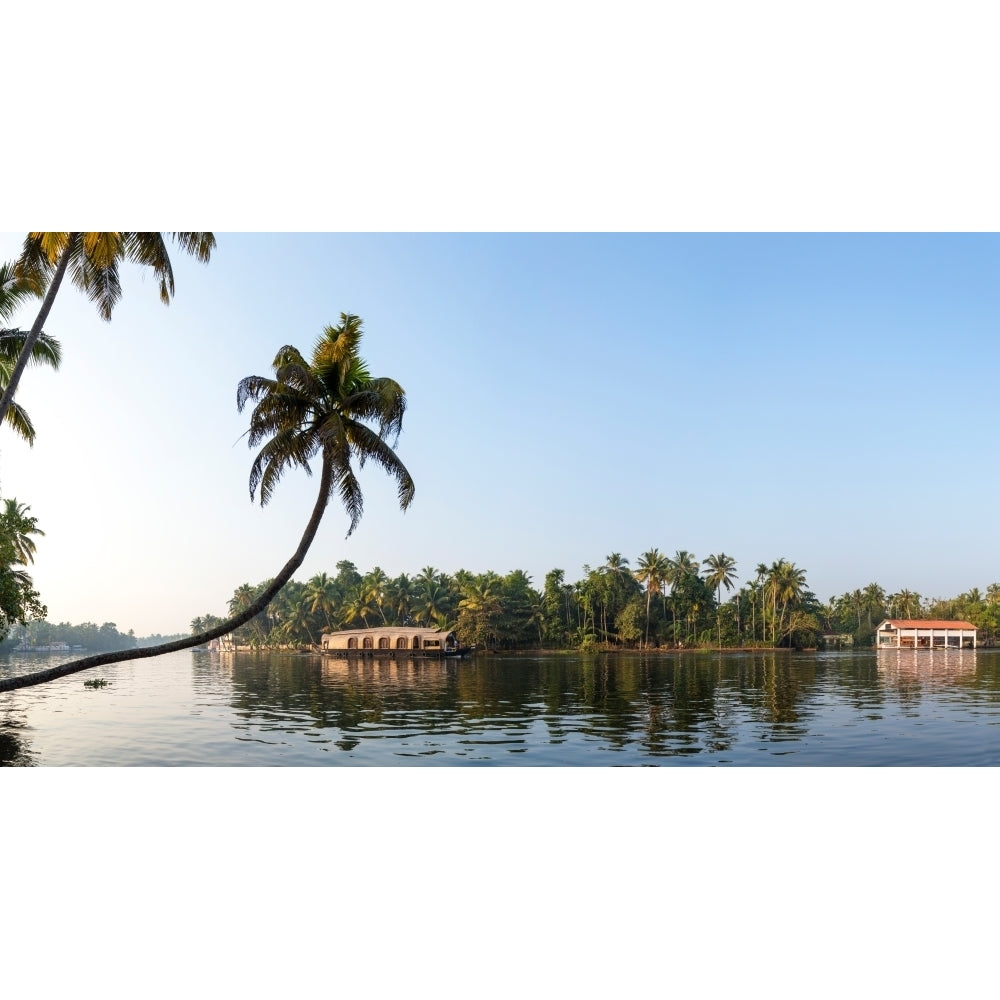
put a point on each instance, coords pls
(844, 708)
(926, 667)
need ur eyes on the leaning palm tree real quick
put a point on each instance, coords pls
(92, 260)
(329, 407)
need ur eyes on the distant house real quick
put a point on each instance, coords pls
(836, 640)
(917, 633)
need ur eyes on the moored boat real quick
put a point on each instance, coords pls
(393, 640)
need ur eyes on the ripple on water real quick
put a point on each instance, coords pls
(192, 709)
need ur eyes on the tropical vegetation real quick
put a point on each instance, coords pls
(15, 291)
(328, 407)
(664, 602)
(20, 603)
(92, 260)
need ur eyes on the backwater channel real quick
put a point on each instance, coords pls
(865, 708)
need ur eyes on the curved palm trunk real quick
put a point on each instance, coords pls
(36, 329)
(28, 680)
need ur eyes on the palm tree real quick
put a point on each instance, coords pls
(682, 565)
(760, 571)
(47, 350)
(721, 573)
(15, 290)
(375, 583)
(874, 597)
(787, 583)
(320, 594)
(321, 407)
(478, 610)
(357, 607)
(400, 595)
(652, 570)
(430, 601)
(18, 527)
(92, 260)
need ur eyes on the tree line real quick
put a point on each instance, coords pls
(675, 602)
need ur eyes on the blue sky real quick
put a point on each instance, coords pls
(823, 398)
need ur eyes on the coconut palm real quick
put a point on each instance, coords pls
(721, 573)
(46, 351)
(874, 597)
(400, 594)
(323, 407)
(320, 595)
(15, 290)
(357, 607)
(760, 575)
(788, 584)
(682, 565)
(652, 570)
(92, 260)
(375, 583)
(18, 526)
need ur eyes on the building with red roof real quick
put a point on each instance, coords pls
(925, 633)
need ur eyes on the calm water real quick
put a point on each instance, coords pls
(848, 709)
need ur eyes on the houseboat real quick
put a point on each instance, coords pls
(917, 633)
(393, 640)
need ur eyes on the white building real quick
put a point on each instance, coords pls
(917, 633)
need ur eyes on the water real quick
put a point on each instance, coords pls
(762, 709)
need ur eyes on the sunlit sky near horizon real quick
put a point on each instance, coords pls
(828, 399)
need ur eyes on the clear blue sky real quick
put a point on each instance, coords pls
(824, 398)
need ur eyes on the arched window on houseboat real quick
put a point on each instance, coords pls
(401, 642)
(368, 642)
(383, 642)
(416, 642)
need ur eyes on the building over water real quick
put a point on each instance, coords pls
(918, 633)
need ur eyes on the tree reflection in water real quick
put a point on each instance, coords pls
(846, 708)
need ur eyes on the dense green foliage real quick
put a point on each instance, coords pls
(675, 602)
(93, 638)
(20, 603)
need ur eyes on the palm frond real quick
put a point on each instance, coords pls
(198, 245)
(42, 250)
(370, 446)
(46, 350)
(103, 250)
(253, 387)
(16, 288)
(99, 283)
(19, 422)
(150, 250)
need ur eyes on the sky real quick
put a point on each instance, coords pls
(824, 398)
